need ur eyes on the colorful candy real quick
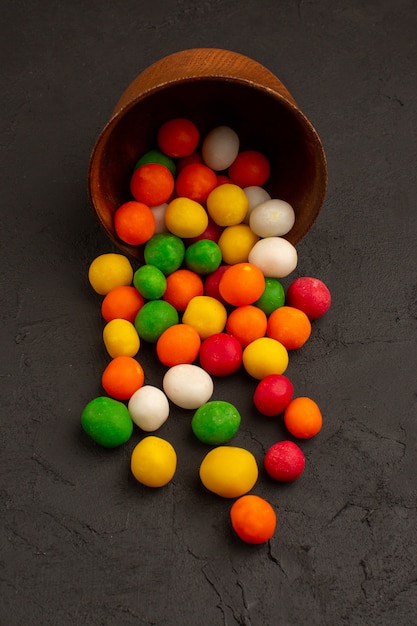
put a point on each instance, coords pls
(284, 461)
(149, 408)
(310, 295)
(253, 519)
(220, 354)
(122, 377)
(229, 471)
(107, 422)
(220, 148)
(108, 271)
(273, 218)
(303, 418)
(153, 461)
(120, 338)
(216, 422)
(273, 394)
(134, 222)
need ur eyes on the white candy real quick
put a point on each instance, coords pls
(276, 257)
(148, 408)
(159, 213)
(273, 218)
(220, 148)
(255, 196)
(188, 386)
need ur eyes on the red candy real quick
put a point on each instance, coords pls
(249, 168)
(310, 295)
(273, 394)
(220, 354)
(178, 137)
(284, 461)
(195, 181)
(152, 184)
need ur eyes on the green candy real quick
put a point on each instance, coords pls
(215, 422)
(107, 421)
(273, 296)
(203, 256)
(153, 318)
(150, 282)
(156, 156)
(165, 251)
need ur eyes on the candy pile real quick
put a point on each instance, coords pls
(208, 296)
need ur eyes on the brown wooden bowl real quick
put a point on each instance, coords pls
(211, 87)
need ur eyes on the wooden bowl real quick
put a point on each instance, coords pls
(211, 87)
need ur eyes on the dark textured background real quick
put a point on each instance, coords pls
(81, 542)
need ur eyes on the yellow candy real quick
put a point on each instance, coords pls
(121, 338)
(186, 218)
(236, 242)
(206, 314)
(227, 204)
(153, 462)
(229, 471)
(265, 356)
(108, 271)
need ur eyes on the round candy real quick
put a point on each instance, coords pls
(290, 326)
(275, 256)
(195, 181)
(246, 323)
(148, 408)
(178, 137)
(273, 218)
(236, 242)
(122, 377)
(203, 257)
(166, 251)
(253, 519)
(215, 422)
(150, 281)
(107, 421)
(250, 168)
(152, 184)
(284, 461)
(153, 318)
(229, 471)
(227, 205)
(122, 302)
(206, 314)
(108, 271)
(121, 338)
(182, 285)
(156, 156)
(242, 284)
(179, 343)
(220, 354)
(310, 295)
(186, 218)
(153, 462)
(220, 147)
(265, 356)
(273, 394)
(303, 418)
(187, 385)
(273, 296)
(134, 223)
(255, 196)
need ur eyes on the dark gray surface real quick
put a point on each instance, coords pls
(81, 542)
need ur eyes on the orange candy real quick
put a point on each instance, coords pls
(253, 519)
(246, 323)
(182, 286)
(303, 418)
(134, 223)
(122, 377)
(178, 344)
(289, 326)
(195, 181)
(241, 284)
(152, 184)
(123, 303)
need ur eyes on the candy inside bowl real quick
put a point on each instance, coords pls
(211, 87)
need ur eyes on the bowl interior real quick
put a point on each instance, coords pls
(263, 119)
